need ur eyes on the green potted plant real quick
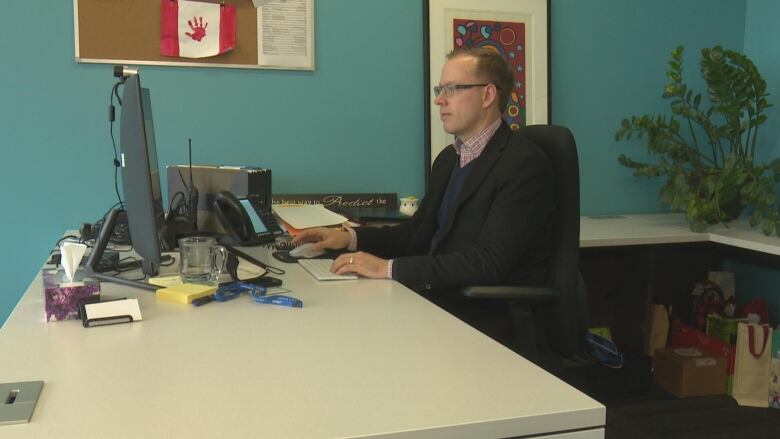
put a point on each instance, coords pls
(707, 150)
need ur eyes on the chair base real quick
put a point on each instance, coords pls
(530, 337)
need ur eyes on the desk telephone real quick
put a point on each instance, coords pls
(246, 221)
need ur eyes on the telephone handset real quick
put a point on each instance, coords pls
(245, 223)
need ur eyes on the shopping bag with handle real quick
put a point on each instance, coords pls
(751, 366)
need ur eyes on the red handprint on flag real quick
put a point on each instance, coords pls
(198, 28)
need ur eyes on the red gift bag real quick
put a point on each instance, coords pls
(687, 337)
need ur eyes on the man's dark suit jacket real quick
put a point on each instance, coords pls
(497, 231)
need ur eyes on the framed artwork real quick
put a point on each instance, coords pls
(517, 29)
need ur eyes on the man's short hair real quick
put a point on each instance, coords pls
(492, 68)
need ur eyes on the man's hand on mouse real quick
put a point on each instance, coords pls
(324, 238)
(362, 263)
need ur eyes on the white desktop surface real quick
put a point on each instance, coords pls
(365, 358)
(670, 228)
(617, 230)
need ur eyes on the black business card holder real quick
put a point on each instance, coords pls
(92, 315)
(103, 321)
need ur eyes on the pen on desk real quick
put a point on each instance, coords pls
(203, 300)
(280, 300)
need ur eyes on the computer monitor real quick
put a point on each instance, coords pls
(141, 185)
(141, 174)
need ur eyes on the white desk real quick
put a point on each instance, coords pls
(363, 358)
(670, 228)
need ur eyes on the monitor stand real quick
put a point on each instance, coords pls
(97, 254)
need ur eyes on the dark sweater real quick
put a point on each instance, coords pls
(457, 177)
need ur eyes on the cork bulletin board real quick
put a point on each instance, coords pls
(128, 32)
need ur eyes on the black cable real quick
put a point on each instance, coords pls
(185, 203)
(59, 241)
(123, 237)
(119, 236)
(177, 208)
(115, 92)
(135, 264)
(56, 259)
(269, 268)
(111, 208)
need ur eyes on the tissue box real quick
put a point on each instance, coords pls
(62, 298)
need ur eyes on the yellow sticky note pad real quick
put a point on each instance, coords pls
(185, 293)
(166, 281)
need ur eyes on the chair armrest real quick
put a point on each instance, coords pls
(517, 293)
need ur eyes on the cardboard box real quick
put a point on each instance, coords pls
(687, 337)
(686, 372)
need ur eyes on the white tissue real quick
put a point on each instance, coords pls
(71, 254)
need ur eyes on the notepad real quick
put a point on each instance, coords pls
(166, 281)
(305, 216)
(185, 293)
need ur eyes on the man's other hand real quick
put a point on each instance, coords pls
(362, 263)
(324, 238)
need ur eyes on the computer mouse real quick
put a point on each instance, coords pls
(305, 251)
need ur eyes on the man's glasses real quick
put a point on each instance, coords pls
(449, 89)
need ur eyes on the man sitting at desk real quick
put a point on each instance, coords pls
(484, 219)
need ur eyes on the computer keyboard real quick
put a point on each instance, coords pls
(320, 269)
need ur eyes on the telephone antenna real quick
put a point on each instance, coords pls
(190, 148)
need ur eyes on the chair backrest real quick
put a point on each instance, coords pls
(567, 322)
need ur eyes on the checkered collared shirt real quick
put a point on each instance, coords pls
(473, 147)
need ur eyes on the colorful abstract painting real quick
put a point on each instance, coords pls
(508, 39)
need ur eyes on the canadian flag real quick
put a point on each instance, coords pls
(191, 29)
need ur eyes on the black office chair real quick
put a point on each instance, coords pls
(559, 310)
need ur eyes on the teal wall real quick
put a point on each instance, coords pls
(356, 123)
(761, 36)
(608, 63)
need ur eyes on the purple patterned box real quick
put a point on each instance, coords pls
(62, 298)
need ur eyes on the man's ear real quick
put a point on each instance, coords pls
(489, 96)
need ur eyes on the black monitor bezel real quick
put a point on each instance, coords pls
(143, 201)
